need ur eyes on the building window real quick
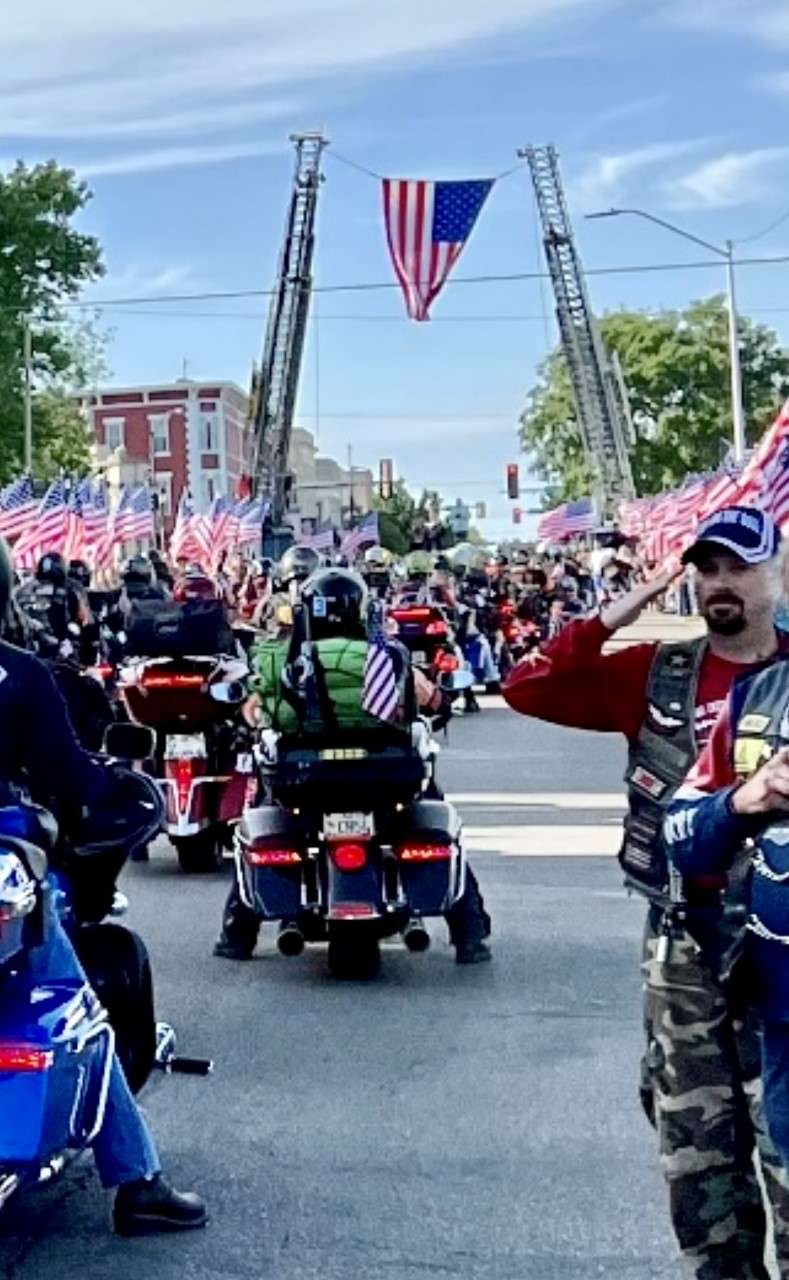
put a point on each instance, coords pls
(159, 424)
(209, 432)
(164, 490)
(209, 489)
(115, 433)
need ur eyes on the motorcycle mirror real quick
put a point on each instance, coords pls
(232, 694)
(129, 741)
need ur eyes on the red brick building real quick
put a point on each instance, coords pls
(186, 435)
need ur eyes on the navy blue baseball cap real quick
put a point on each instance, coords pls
(743, 531)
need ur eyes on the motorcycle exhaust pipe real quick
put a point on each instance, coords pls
(290, 939)
(416, 936)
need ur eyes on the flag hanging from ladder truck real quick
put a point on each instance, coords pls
(427, 226)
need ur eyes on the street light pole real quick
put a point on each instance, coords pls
(737, 407)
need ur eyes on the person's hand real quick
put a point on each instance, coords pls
(629, 607)
(768, 789)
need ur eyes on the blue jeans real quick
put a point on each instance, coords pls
(775, 1080)
(124, 1150)
(480, 658)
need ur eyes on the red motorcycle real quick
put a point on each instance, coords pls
(203, 754)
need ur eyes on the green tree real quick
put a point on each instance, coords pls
(676, 367)
(397, 516)
(44, 262)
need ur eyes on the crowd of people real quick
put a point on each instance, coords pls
(707, 726)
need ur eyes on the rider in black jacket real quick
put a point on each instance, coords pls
(38, 751)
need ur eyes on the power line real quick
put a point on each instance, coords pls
(381, 285)
(766, 230)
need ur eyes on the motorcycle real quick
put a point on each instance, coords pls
(426, 632)
(58, 1036)
(202, 755)
(329, 868)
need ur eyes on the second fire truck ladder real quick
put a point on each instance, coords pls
(598, 388)
(276, 387)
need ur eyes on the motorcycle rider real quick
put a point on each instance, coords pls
(336, 602)
(275, 614)
(700, 1074)
(38, 750)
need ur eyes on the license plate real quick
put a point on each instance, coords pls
(184, 745)
(337, 826)
(420, 658)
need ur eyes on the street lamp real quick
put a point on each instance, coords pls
(738, 412)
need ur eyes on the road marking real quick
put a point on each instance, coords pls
(544, 841)
(554, 800)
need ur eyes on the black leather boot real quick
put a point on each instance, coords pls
(153, 1205)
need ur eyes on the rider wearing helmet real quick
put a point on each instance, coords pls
(376, 571)
(275, 617)
(54, 771)
(333, 615)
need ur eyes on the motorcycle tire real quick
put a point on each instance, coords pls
(354, 953)
(117, 964)
(200, 854)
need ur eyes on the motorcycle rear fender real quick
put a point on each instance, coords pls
(274, 892)
(432, 887)
(42, 1113)
(354, 888)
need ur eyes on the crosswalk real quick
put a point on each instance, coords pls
(541, 824)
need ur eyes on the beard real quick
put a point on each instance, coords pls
(725, 615)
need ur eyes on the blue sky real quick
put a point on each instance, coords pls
(177, 114)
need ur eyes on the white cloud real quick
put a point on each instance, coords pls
(93, 69)
(171, 158)
(138, 281)
(763, 20)
(606, 179)
(622, 111)
(737, 178)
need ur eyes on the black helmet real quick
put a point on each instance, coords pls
(79, 572)
(297, 564)
(6, 578)
(52, 568)
(336, 601)
(138, 572)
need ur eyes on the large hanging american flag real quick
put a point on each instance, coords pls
(380, 697)
(427, 225)
(567, 521)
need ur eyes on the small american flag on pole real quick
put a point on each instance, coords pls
(17, 506)
(567, 521)
(380, 697)
(427, 225)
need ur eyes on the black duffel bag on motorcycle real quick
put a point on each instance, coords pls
(165, 629)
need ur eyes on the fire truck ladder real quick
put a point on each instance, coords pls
(276, 386)
(599, 391)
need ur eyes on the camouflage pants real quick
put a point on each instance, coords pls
(704, 1068)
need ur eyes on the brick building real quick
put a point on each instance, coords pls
(185, 435)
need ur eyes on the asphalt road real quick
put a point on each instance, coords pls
(436, 1122)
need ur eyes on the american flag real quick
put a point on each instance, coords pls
(134, 516)
(75, 545)
(95, 514)
(17, 505)
(364, 535)
(568, 520)
(765, 480)
(47, 528)
(427, 225)
(183, 543)
(322, 540)
(380, 697)
(250, 524)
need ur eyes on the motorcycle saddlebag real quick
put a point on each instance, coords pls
(54, 1051)
(428, 846)
(267, 842)
(164, 629)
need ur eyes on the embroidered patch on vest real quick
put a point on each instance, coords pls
(660, 722)
(648, 782)
(754, 723)
(679, 664)
(749, 754)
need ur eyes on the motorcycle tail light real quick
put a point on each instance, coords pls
(182, 771)
(271, 857)
(178, 680)
(349, 856)
(436, 629)
(411, 615)
(424, 852)
(26, 1058)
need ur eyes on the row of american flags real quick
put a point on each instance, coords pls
(666, 523)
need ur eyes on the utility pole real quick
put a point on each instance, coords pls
(350, 484)
(28, 359)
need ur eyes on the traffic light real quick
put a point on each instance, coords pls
(516, 515)
(480, 511)
(513, 482)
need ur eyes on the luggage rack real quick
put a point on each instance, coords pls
(369, 768)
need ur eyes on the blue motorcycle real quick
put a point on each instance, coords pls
(58, 1037)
